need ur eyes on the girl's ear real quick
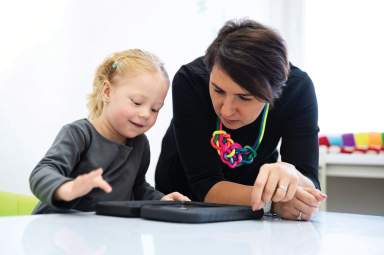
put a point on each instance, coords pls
(106, 93)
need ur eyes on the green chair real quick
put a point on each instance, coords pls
(12, 204)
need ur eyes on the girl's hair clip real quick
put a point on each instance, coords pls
(114, 65)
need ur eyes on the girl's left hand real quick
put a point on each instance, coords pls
(175, 196)
(276, 182)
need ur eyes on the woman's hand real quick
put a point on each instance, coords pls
(175, 196)
(303, 206)
(82, 185)
(275, 182)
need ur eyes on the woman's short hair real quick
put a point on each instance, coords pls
(253, 55)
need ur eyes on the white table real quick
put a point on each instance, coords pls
(86, 233)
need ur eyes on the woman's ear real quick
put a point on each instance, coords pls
(106, 93)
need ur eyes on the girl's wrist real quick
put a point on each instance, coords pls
(63, 192)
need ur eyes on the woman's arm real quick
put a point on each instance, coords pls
(300, 148)
(193, 123)
(225, 192)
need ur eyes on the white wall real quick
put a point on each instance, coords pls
(344, 56)
(49, 51)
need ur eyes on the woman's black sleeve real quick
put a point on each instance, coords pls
(192, 130)
(300, 135)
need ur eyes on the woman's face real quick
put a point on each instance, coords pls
(234, 105)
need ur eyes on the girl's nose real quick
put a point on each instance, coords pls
(144, 113)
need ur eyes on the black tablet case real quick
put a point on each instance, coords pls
(177, 211)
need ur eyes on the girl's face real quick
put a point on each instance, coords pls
(235, 106)
(132, 103)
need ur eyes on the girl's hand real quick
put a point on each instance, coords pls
(175, 196)
(275, 182)
(303, 206)
(82, 185)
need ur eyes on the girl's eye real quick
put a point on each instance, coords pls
(155, 110)
(135, 102)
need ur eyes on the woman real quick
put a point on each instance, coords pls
(230, 110)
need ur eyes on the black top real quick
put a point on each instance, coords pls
(190, 165)
(78, 149)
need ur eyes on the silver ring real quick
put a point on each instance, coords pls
(300, 215)
(282, 187)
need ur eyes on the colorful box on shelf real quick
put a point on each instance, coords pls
(353, 143)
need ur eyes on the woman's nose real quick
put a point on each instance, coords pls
(227, 108)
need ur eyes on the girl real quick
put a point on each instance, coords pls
(106, 156)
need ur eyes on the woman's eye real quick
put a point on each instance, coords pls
(245, 98)
(155, 110)
(218, 91)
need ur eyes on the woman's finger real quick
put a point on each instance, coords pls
(286, 210)
(306, 197)
(290, 193)
(296, 210)
(304, 208)
(281, 190)
(258, 188)
(270, 187)
(306, 213)
(320, 196)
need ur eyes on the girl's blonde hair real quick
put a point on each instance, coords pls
(133, 61)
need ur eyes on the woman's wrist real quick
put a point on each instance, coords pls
(304, 181)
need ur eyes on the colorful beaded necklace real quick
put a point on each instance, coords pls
(232, 153)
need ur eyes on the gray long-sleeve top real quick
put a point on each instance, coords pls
(79, 149)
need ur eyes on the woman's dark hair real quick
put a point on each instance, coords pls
(253, 55)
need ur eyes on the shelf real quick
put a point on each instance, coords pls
(355, 159)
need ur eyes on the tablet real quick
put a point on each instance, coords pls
(178, 211)
(127, 208)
